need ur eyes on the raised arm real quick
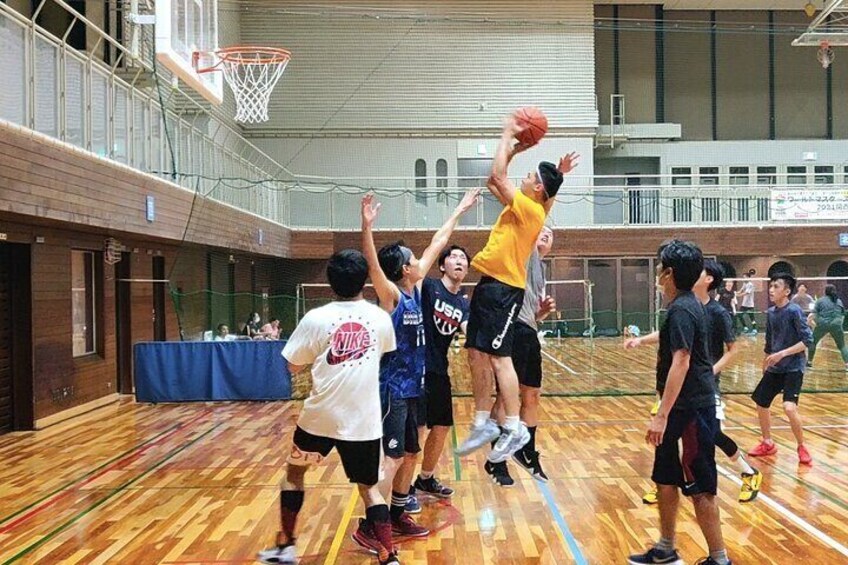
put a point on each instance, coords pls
(499, 183)
(441, 237)
(387, 291)
(566, 164)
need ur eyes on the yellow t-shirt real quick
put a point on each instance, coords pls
(511, 242)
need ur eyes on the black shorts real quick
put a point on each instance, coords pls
(695, 471)
(491, 321)
(400, 426)
(773, 384)
(527, 356)
(360, 459)
(435, 407)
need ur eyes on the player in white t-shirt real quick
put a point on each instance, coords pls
(343, 343)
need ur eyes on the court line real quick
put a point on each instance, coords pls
(564, 531)
(36, 507)
(791, 516)
(333, 554)
(116, 491)
(558, 362)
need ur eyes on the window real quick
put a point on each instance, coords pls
(681, 208)
(681, 176)
(711, 206)
(824, 175)
(83, 302)
(796, 175)
(738, 176)
(767, 176)
(441, 180)
(421, 182)
(741, 206)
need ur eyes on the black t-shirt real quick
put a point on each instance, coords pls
(725, 298)
(720, 330)
(444, 312)
(685, 327)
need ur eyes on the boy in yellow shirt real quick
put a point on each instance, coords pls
(500, 292)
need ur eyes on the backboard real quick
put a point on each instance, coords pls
(182, 28)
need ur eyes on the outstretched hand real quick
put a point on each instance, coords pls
(512, 127)
(568, 163)
(369, 210)
(469, 200)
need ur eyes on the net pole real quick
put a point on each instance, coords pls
(591, 299)
(297, 294)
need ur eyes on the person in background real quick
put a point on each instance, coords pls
(224, 334)
(828, 318)
(804, 300)
(726, 296)
(251, 328)
(747, 307)
(271, 330)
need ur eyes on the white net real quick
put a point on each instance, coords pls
(252, 73)
(825, 54)
(573, 316)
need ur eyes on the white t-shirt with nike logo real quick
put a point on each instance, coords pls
(343, 341)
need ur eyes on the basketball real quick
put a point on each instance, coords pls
(535, 125)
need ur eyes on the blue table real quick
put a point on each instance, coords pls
(211, 370)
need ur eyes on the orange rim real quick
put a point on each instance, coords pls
(244, 55)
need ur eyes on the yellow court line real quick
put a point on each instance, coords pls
(333, 554)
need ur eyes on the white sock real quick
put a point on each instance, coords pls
(425, 475)
(743, 466)
(480, 417)
(511, 423)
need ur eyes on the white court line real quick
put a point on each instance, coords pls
(806, 427)
(558, 362)
(791, 516)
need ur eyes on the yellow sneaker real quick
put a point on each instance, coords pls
(650, 497)
(656, 407)
(750, 486)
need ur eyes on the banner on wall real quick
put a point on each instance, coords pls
(829, 204)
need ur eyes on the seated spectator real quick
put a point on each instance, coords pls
(251, 328)
(224, 334)
(271, 330)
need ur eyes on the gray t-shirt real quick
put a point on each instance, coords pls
(805, 302)
(534, 291)
(748, 299)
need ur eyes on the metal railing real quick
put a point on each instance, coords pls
(76, 97)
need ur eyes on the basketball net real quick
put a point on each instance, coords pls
(252, 73)
(825, 54)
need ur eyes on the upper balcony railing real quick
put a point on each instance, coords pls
(74, 96)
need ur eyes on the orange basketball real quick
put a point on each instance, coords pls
(535, 125)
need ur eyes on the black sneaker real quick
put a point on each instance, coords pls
(530, 463)
(656, 556)
(392, 559)
(433, 487)
(499, 473)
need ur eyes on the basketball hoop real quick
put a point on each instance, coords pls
(252, 73)
(825, 54)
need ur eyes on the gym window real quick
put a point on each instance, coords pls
(85, 284)
(421, 182)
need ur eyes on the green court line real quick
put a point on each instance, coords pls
(457, 468)
(93, 471)
(118, 490)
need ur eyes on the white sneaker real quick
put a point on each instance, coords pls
(279, 554)
(509, 442)
(478, 437)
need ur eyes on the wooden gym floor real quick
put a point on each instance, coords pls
(197, 483)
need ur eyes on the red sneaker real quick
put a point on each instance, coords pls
(406, 526)
(365, 537)
(804, 456)
(763, 449)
